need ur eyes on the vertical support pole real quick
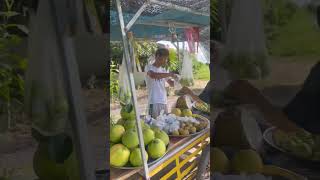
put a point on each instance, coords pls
(178, 49)
(179, 169)
(132, 89)
(73, 86)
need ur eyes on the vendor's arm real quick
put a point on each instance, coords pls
(155, 75)
(170, 82)
(188, 91)
(247, 94)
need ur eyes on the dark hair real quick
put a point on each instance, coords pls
(162, 52)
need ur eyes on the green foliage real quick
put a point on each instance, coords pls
(200, 70)
(247, 67)
(114, 82)
(12, 66)
(173, 64)
(116, 52)
(277, 13)
(300, 37)
(144, 50)
(196, 65)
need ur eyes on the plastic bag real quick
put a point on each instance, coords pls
(150, 61)
(45, 97)
(124, 85)
(186, 71)
(245, 53)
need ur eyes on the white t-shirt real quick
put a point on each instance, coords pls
(156, 88)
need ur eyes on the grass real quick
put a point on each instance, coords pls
(300, 37)
(203, 73)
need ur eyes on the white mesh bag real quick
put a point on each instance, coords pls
(186, 71)
(245, 53)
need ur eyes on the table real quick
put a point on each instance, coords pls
(177, 148)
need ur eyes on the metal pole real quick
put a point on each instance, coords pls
(133, 90)
(72, 82)
(179, 8)
(136, 16)
(178, 49)
(161, 23)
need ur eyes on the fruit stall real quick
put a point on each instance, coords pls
(166, 147)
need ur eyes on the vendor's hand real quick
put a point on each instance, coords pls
(186, 90)
(243, 91)
(174, 76)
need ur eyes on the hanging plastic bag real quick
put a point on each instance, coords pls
(124, 86)
(245, 53)
(150, 61)
(45, 98)
(192, 36)
(186, 71)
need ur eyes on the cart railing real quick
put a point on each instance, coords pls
(181, 156)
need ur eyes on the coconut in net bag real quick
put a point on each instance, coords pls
(124, 86)
(186, 71)
(45, 98)
(245, 53)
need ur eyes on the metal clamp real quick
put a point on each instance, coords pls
(172, 28)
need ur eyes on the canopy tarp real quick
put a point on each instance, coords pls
(154, 27)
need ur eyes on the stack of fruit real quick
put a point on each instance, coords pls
(244, 162)
(187, 128)
(187, 125)
(203, 107)
(125, 151)
(302, 144)
(179, 126)
(184, 103)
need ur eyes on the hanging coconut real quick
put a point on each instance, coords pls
(245, 53)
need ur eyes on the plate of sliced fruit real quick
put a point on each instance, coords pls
(302, 145)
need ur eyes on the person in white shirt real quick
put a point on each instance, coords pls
(157, 76)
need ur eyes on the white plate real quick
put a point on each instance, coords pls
(268, 137)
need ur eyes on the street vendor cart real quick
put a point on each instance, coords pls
(181, 158)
